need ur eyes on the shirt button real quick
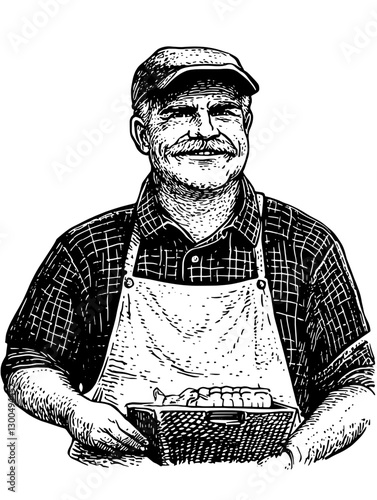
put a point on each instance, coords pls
(261, 284)
(195, 259)
(128, 282)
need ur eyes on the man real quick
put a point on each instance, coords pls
(201, 283)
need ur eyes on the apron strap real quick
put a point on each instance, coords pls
(132, 239)
(259, 254)
(132, 252)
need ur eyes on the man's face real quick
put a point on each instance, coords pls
(198, 137)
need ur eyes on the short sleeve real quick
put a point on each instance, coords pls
(339, 352)
(46, 328)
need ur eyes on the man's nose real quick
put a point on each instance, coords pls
(202, 126)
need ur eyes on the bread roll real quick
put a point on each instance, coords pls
(244, 397)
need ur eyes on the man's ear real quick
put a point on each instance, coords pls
(248, 122)
(139, 134)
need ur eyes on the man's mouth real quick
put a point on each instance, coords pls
(202, 153)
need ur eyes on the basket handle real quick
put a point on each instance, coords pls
(226, 417)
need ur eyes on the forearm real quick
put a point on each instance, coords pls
(45, 393)
(338, 421)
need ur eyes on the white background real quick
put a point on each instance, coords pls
(73, 72)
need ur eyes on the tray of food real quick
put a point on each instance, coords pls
(218, 424)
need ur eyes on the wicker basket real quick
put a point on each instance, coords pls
(182, 434)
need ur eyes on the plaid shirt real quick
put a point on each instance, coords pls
(167, 253)
(66, 318)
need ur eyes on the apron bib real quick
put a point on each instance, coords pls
(178, 336)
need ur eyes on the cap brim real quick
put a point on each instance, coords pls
(250, 84)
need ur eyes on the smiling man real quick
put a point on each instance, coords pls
(202, 283)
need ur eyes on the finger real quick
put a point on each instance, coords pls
(122, 426)
(125, 442)
(125, 431)
(106, 443)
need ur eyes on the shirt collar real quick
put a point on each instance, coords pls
(247, 219)
(154, 222)
(149, 211)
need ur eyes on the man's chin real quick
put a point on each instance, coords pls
(205, 179)
(202, 173)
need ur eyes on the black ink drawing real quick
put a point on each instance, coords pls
(206, 322)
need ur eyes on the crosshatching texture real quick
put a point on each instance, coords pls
(74, 294)
(184, 436)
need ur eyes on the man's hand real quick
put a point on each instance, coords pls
(339, 420)
(101, 426)
(47, 394)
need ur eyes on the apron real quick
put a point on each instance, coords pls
(176, 337)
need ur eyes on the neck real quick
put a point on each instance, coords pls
(199, 212)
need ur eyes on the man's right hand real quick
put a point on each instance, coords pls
(47, 394)
(101, 426)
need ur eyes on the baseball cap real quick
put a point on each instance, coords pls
(168, 64)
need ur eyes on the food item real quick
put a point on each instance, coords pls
(244, 397)
(237, 399)
(184, 399)
(214, 398)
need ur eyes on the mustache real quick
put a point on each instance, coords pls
(218, 145)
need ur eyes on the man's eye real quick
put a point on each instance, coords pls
(180, 113)
(221, 111)
(177, 113)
